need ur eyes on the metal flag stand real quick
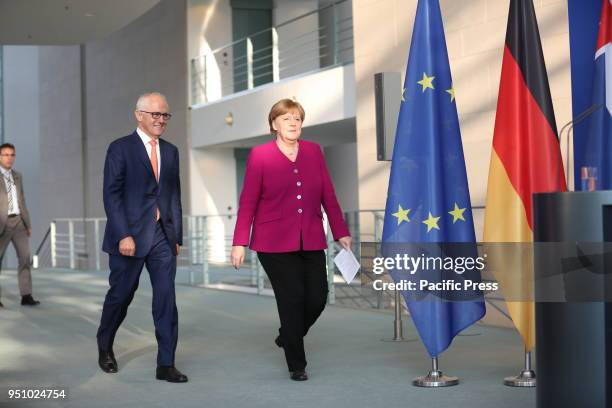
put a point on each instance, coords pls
(435, 378)
(526, 378)
(398, 332)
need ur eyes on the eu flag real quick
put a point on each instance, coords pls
(428, 198)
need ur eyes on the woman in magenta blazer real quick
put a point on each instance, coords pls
(285, 185)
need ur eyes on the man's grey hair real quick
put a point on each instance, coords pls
(142, 99)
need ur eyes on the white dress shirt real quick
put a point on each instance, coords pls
(7, 175)
(146, 139)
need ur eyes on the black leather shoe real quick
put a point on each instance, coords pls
(278, 341)
(1, 305)
(28, 300)
(299, 375)
(107, 362)
(170, 374)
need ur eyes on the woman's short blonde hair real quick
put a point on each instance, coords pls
(283, 106)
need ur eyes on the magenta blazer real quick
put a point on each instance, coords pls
(282, 200)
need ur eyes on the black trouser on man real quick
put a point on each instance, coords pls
(299, 280)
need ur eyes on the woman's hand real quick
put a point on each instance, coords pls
(237, 256)
(346, 242)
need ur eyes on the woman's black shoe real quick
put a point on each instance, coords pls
(278, 341)
(298, 375)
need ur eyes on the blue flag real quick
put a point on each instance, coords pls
(595, 165)
(428, 198)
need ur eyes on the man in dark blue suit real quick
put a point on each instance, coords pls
(142, 200)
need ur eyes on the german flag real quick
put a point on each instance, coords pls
(526, 157)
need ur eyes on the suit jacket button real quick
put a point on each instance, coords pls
(299, 210)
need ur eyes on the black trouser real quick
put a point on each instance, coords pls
(299, 280)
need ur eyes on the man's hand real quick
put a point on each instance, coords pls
(127, 246)
(178, 250)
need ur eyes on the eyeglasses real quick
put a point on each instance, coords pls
(157, 115)
(8, 154)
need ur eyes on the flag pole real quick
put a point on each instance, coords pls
(435, 378)
(398, 331)
(526, 378)
(397, 323)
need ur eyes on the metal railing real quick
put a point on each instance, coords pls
(205, 256)
(75, 243)
(319, 39)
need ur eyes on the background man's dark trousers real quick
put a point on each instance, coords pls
(124, 277)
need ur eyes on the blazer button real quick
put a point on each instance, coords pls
(299, 210)
(299, 197)
(295, 171)
(299, 183)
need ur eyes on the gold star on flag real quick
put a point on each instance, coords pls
(401, 215)
(426, 82)
(431, 222)
(451, 91)
(457, 213)
(403, 92)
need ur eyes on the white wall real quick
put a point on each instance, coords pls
(213, 181)
(342, 164)
(209, 26)
(213, 191)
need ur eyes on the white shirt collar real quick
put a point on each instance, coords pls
(144, 137)
(5, 172)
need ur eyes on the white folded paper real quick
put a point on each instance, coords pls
(347, 264)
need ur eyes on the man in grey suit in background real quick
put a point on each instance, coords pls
(15, 225)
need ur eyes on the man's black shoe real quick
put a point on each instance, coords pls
(107, 362)
(299, 375)
(1, 305)
(28, 300)
(170, 374)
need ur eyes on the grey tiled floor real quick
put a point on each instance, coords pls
(226, 347)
